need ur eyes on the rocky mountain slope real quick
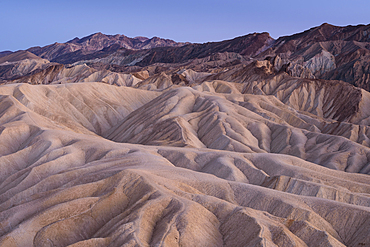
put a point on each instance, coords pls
(325, 52)
(99, 41)
(245, 142)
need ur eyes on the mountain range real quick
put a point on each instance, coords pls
(254, 141)
(325, 52)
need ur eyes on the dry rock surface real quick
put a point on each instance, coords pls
(223, 149)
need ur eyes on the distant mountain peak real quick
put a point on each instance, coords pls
(73, 40)
(325, 24)
(141, 38)
(98, 41)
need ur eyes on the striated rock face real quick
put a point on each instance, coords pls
(327, 52)
(10, 71)
(245, 142)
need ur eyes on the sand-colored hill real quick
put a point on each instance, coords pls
(18, 56)
(19, 64)
(208, 165)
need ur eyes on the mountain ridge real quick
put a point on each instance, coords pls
(325, 52)
(98, 41)
(249, 142)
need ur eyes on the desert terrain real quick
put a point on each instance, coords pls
(117, 141)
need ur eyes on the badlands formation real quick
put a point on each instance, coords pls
(246, 142)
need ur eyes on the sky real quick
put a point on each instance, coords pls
(25, 23)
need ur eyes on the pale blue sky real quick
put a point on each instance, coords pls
(37, 23)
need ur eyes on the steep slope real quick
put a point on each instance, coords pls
(286, 123)
(5, 53)
(323, 33)
(18, 64)
(326, 52)
(249, 45)
(17, 56)
(62, 183)
(10, 71)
